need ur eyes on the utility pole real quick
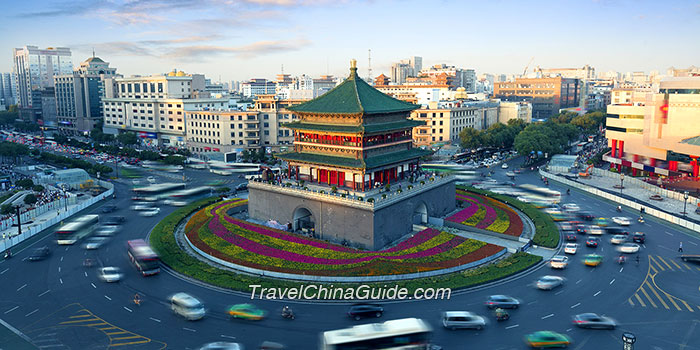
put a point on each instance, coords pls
(369, 66)
(19, 220)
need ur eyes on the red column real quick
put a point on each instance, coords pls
(694, 164)
(652, 162)
(634, 170)
(297, 172)
(614, 148)
(673, 165)
(621, 150)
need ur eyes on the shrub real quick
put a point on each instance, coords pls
(410, 187)
(371, 200)
(38, 188)
(360, 199)
(383, 195)
(334, 189)
(422, 182)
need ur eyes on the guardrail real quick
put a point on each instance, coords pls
(32, 229)
(626, 202)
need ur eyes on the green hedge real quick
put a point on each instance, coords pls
(546, 231)
(163, 242)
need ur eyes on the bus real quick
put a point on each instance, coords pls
(76, 229)
(190, 193)
(143, 257)
(540, 196)
(401, 334)
(158, 189)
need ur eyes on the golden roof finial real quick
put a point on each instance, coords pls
(353, 64)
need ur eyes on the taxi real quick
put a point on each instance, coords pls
(246, 312)
(547, 339)
(592, 260)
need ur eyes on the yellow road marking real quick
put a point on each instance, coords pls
(687, 267)
(79, 316)
(657, 295)
(130, 343)
(674, 264)
(96, 324)
(107, 328)
(657, 263)
(78, 321)
(648, 297)
(115, 333)
(129, 337)
(640, 300)
(629, 300)
(651, 266)
(686, 305)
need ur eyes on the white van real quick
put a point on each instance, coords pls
(187, 306)
(462, 319)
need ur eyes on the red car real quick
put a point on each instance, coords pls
(592, 242)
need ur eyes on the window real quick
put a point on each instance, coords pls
(266, 124)
(137, 88)
(160, 89)
(145, 87)
(265, 116)
(129, 87)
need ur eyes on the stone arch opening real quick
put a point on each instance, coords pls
(420, 214)
(303, 220)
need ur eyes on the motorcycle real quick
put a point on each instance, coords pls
(88, 263)
(8, 254)
(619, 209)
(641, 220)
(287, 313)
(502, 315)
(621, 259)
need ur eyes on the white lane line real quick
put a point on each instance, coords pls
(596, 293)
(20, 288)
(513, 326)
(575, 305)
(647, 224)
(568, 329)
(59, 269)
(127, 309)
(44, 293)
(579, 281)
(532, 302)
(227, 336)
(668, 233)
(693, 243)
(189, 329)
(61, 258)
(85, 273)
(31, 313)
(548, 316)
(60, 280)
(613, 281)
(559, 292)
(621, 269)
(155, 319)
(108, 298)
(5, 270)
(12, 309)
(93, 285)
(67, 248)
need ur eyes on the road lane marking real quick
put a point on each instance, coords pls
(20, 288)
(648, 297)
(127, 309)
(546, 317)
(44, 293)
(665, 263)
(31, 313)
(613, 281)
(93, 285)
(12, 309)
(568, 329)
(579, 281)
(155, 319)
(621, 269)
(651, 258)
(513, 326)
(67, 248)
(629, 300)
(559, 292)
(668, 233)
(596, 293)
(693, 243)
(85, 273)
(640, 300)
(227, 336)
(108, 298)
(5, 270)
(61, 258)
(575, 305)
(657, 295)
(674, 264)
(189, 329)
(60, 280)
(532, 302)
(59, 269)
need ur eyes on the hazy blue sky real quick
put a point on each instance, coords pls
(254, 38)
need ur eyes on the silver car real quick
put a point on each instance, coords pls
(462, 319)
(628, 248)
(618, 239)
(591, 320)
(549, 282)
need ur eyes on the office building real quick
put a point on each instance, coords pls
(79, 96)
(458, 77)
(406, 68)
(255, 87)
(584, 73)
(547, 94)
(8, 87)
(514, 110)
(444, 120)
(656, 131)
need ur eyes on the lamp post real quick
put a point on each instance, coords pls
(628, 340)
(622, 178)
(685, 202)
(65, 198)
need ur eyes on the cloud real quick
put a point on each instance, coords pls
(246, 51)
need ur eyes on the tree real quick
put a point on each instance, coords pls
(61, 139)
(174, 160)
(38, 188)
(25, 183)
(261, 156)
(149, 155)
(223, 190)
(6, 209)
(128, 138)
(470, 138)
(30, 199)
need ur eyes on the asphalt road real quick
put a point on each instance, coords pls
(60, 304)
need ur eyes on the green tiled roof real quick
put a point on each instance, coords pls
(354, 96)
(695, 141)
(354, 129)
(368, 163)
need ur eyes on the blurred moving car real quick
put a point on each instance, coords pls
(547, 339)
(462, 319)
(592, 260)
(571, 207)
(570, 236)
(95, 242)
(559, 262)
(584, 215)
(221, 345)
(150, 212)
(187, 306)
(549, 282)
(504, 166)
(639, 237)
(622, 220)
(107, 230)
(109, 208)
(365, 310)
(591, 320)
(246, 311)
(594, 230)
(617, 230)
(502, 301)
(570, 248)
(115, 220)
(242, 187)
(40, 253)
(110, 274)
(602, 222)
(618, 239)
(628, 248)
(592, 242)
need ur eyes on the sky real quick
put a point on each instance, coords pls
(240, 40)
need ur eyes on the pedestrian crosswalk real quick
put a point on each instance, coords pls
(650, 294)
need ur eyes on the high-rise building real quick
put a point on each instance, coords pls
(584, 73)
(35, 69)
(7, 89)
(547, 95)
(255, 87)
(79, 96)
(444, 120)
(458, 77)
(406, 68)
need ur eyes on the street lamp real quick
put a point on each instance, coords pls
(622, 178)
(628, 340)
(685, 202)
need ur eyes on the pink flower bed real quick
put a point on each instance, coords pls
(490, 217)
(465, 213)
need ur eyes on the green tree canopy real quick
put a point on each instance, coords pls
(470, 138)
(127, 138)
(30, 199)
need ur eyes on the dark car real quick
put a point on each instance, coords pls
(617, 230)
(115, 220)
(40, 253)
(591, 320)
(365, 310)
(109, 208)
(502, 301)
(242, 187)
(639, 237)
(570, 236)
(581, 229)
(584, 215)
(592, 242)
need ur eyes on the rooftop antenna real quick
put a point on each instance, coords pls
(282, 68)
(369, 65)
(93, 52)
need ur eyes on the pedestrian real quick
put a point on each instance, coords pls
(680, 248)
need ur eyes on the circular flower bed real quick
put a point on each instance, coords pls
(488, 214)
(240, 242)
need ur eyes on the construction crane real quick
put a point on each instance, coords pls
(527, 66)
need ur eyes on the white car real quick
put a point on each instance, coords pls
(594, 230)
(110, 274)
(628, 248)
(93, 243)
(571, 207)
(559, 262)
(549, 282)
(618, 239)
(622, 220)
(151, 179)
(151, 212)
(504, 166)
(107, 230)
(570, 248)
